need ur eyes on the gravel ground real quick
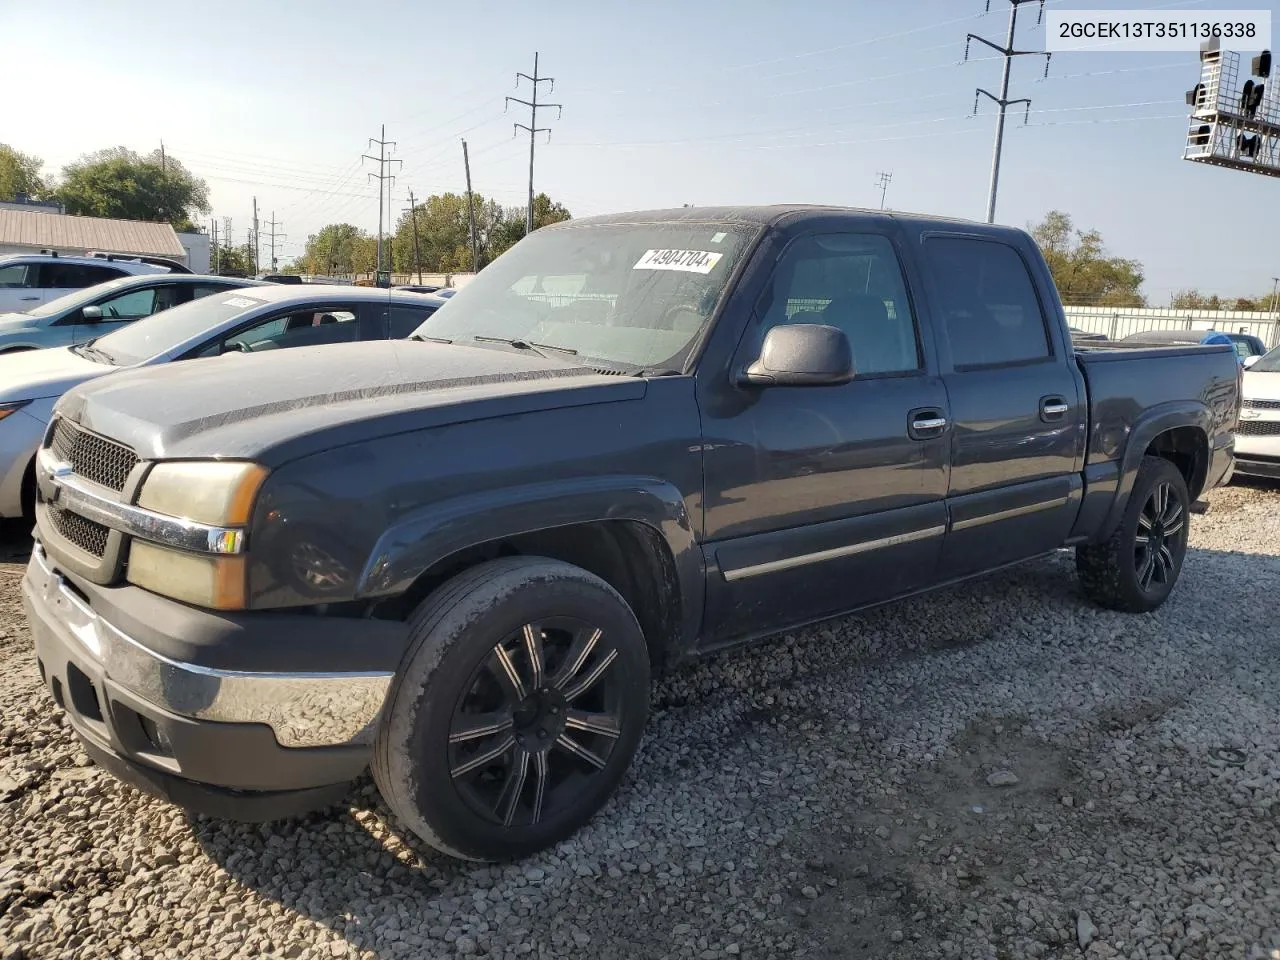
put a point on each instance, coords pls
(998, 771)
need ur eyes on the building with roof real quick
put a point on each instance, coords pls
(30, 231)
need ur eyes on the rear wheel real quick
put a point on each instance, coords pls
(517, 710)
(1136, 569)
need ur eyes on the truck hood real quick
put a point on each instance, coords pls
(1261, 386)
(275, 406)
(36, 374)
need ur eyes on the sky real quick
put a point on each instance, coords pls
(664, 103)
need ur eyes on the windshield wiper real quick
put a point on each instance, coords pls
(529, 345)
(424, 339)
(94, 353)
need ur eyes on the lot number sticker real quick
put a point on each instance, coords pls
(689, 261)
(239, 302)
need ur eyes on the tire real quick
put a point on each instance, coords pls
(1125, 573)
(476, 788)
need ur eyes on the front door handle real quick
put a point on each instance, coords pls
(1053, 409)
(30, 298)
(925, 424)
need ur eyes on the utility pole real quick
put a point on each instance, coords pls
(163, 165)
(882, 181)
(533, 127)
(272, 236)
(413, 218)
(255, 236)
(1003, 100)
(1274, 282)
(381, 176)
(471, 211)
(213, 237)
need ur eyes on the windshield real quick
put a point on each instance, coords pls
(1267, 363)
(77, 298)
(634, 295)
(163, 331)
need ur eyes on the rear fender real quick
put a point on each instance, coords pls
(421, 539)
(1155, 421)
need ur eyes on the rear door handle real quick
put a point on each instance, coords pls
(925, 424)
(1053, 409)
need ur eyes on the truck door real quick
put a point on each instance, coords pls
(819, 499)
(1017, 406)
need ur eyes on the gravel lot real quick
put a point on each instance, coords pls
(999, 771)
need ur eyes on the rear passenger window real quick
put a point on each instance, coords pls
(987, 301)
(74, 276)
(852, 281)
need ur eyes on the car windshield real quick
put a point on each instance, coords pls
(154, 335)
(77, 298)
(628, 295)
(1267, 363)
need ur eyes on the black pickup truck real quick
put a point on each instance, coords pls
(456, 558)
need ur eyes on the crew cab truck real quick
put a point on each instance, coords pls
(631, 439)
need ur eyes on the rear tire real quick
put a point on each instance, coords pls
(516, 711)
(1135, 570)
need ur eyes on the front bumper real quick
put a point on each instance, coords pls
(250, 745)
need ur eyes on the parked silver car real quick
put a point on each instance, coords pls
(82, 315)
(260, 316)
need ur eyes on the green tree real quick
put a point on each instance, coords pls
(1082, 269)
(120, 183)
(1195, 300)
(334, 250)
(19, 173)
(444, 233)
(233, 260)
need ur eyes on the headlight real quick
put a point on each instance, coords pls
(14, 407)
(213, 492)
(217, 492)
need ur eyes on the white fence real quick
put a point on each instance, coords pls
(1117, 322)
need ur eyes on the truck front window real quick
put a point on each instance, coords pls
(629, 294)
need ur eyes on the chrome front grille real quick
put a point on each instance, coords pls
(93, 457)
(1259, 428)
(1261, 404)
(89, 535)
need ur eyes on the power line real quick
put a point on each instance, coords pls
(533, 127)
(1008, 53)
(271, 236)
(381, 176)
(882, 181)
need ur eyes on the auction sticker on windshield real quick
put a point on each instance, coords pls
(240, 302)
(690, 261)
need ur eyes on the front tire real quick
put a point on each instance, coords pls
(1136, 569)
(516, 711)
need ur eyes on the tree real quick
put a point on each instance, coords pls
(337, 249)
(1195, 300)
(444, 233)
(1081, 267)
(120, 183)
(233, 259)
(19, 173)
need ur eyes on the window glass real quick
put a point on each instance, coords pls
(130, 306)
(163, 332)
(94, 275)
(404, 320)
(302, 329)
(854, 282)
(13, 275)
(634, 295)
(987, 301)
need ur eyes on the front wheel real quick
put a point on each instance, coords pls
(1135, 570)
(517, 709)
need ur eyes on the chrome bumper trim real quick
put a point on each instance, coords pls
(74, 494)
(302, 709)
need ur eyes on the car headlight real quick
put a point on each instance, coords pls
(213, 492)
(10, 408)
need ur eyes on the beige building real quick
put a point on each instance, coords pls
(30, 231)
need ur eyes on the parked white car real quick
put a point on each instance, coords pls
(28, 280)
(1258, 433)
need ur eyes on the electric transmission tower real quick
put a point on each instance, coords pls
(1003, 100)
(533, 128)
(882, 181)
(382, 177)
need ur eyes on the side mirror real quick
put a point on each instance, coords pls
(91, 314)
(802, 354)
(1250, 361)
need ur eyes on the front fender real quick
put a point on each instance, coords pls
(427, 536)
(1155, 421)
